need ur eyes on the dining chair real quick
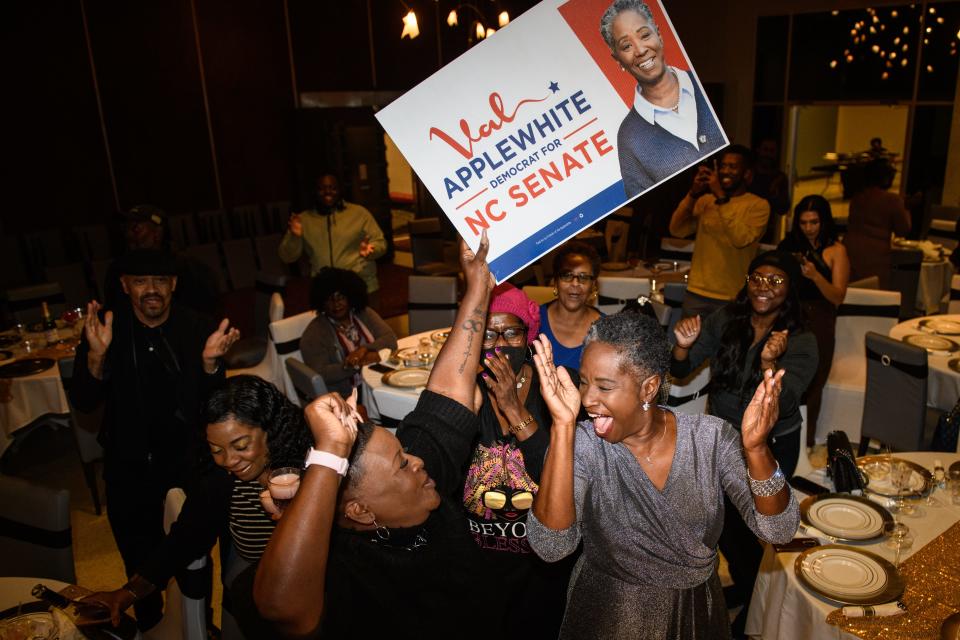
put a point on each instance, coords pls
(86, 428)
(689, 395)
(905, 267)
(185, 600)
(615, 235)
(267, 248)
(673, 294)
(246, 221)
(431, 302)
(182, 230)
(285, 334)
(268, 366)
(209, 255)
(943, 232)
(276, 215)
(213, 225)
(895, 408)
(93, 241)
(306, 382)
(862, 310)
(35, 532)
(676, 248)
(614, 292)
(954, 306)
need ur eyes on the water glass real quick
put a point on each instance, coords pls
(283, 485)
(899, 537)
(901, 475)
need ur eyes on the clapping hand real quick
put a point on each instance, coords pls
(762, 412)
(366, 247)
(686, 331)
(775, 347)
(99, 334)
(294, 225)
(218, 344)
(556, 387)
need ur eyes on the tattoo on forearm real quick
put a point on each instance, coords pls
(473, 326)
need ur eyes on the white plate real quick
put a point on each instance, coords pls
(408, 378)
(932, 343)
(844, 572)
(883, 484)
(943, 327)
(845, 518)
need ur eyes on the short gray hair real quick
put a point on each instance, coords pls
(640, 342)
(615, 9)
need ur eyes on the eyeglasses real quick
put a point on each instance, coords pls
(772, 281)
(582, 278)
(495, 499)
(510, 334)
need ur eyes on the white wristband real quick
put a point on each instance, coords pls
(326, 459)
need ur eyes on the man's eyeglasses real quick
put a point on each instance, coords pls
(582, 278)
(510, 334)
(495, 499)
(773, 281)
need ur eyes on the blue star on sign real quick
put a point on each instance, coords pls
(554, 87)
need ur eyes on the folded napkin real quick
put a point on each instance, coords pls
(876, 611)
(886, 503)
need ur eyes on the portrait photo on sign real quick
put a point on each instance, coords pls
(670, 124)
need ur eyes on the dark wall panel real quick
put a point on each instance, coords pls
(54, 165)
(150, 86)
(247, 66)
(330, 45)
(402, 64)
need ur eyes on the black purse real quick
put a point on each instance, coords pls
(948, 428)
(842, 465)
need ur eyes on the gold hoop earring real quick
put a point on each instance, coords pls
(556, 292)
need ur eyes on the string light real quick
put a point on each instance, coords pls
(833, 64)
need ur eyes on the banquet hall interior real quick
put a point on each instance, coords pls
(224, 114)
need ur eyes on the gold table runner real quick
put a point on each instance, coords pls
(932, 576)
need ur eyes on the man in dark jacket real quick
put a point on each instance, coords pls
(150, 362)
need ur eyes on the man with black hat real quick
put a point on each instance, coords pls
(149, 362)
(146, 228)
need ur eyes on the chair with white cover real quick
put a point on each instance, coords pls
(803, 462)
(431, 302)
(954, 306)
(673, 294)
(269, 366)
(862, 310)
(616, 232)
(676, 248)
(86, 428)
(306, 382)
(689, 395)
(185, 607)
(943, 232)
(540, 295)
(614, 292)
(895, 408)
(35, 531)
(285, 335)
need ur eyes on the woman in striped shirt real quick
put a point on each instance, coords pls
(251, 429)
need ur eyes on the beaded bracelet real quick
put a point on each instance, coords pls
(769, 487)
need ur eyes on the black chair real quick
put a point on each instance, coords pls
(266, 248)
(45, 249)
(895, 408)
(182, 230)
(93, 242)
(276, 215)
(213, 226)
(250, 351)
(246, 221)
(428, 248)
(306, 381)
(905, 278)
(209, 254)
(85, 427)
(35, 531)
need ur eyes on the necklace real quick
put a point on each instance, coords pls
(662, 434)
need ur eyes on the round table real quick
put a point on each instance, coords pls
(387, 401)
(943, 383)
(782, 609)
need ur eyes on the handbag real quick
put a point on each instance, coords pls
(948, 428)
(842, 465)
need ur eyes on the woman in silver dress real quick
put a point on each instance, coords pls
(643, 488)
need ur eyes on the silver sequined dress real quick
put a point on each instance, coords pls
(649, 557)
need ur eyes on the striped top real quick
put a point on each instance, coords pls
(250, 526)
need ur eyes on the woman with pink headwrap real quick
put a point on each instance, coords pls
(503, 475)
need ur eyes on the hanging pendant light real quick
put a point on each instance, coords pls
(410, 28)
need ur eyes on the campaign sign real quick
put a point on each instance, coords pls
(554, 122)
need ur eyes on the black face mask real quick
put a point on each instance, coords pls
(516, 355)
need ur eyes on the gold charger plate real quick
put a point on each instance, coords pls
(892, 587)
(406, 378)
(937, 345)
(874, 513)
(940, 326)
(864, 461)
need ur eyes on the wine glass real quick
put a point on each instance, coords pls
(283, 485)
(901, 474)
(899, 537)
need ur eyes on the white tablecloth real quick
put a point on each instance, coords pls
(933, 288)
(392, 402)
(943, 383)
(30, 398)
(782, 609)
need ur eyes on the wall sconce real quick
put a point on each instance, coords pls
(410, 28)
